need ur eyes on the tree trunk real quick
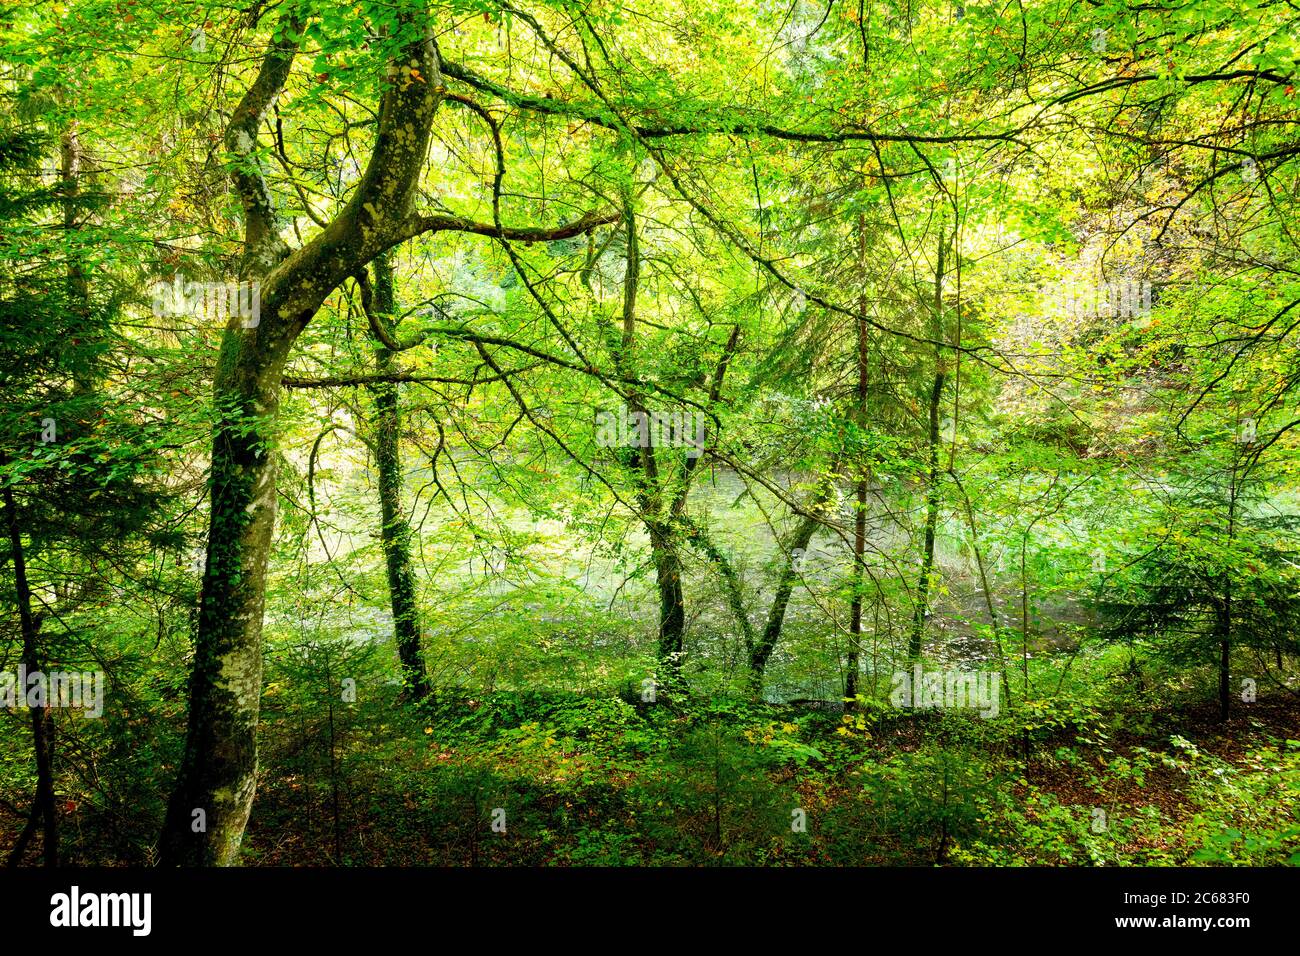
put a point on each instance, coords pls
(860, 516)
(644, 464)
(210, 806)
(785, 585)
(931, 523)
(1225, 659)
(42, 727)
(71, 158)
(672, 603)
(1223, 616)
(395, 532)
(731, 586)
(932, 487)
(994, 622)
(767, 641)
(219, 770)
(855, 606)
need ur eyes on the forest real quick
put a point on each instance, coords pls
(657, 433)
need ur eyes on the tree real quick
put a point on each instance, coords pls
(78, 486)
(214, 792)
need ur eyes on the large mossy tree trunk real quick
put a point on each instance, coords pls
(209, 808)
(213, 796)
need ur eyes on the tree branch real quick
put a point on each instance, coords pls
(263, 247)
(723, 125)
(417, 225)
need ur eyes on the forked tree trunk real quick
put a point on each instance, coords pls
(767, 640)
(731, 586)
(210, 805)
(213, 795)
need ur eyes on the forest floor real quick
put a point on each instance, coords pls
(1116, 768)
(557, 779)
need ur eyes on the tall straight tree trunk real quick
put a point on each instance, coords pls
(860, 515)
(71, 158)
(932, 486)
(1223, 614)
(1223, 630)
(995, 622)
(395, 531)
(859, 576)
(42, 726)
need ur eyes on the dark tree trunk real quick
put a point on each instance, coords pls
(1223, 633)
(1223, 615)
(931, 523)
(672, 603)
(644, 463)
(855, 606)
(860, 515)
(71, 159)
(395, 531)
(932, 485)
(767, 641)
(42, 726)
